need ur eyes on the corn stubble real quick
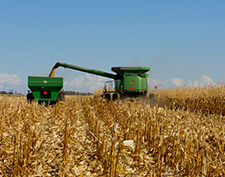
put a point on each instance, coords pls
(86, 137)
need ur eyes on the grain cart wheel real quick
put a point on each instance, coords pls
(30, 97)
(61, 97)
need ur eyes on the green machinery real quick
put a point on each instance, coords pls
(130, 82)
(45, 89)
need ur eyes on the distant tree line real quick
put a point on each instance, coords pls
(4, 92)
(66, 93)
(77, 93)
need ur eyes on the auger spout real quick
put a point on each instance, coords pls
(91, 71)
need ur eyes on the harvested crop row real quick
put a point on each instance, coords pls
(85, 137)
(135, 139)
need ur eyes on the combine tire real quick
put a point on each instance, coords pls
(115, 96)
(107, 97)
(30, 97)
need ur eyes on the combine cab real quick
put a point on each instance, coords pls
(45, 89)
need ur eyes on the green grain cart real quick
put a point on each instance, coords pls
(45, 89)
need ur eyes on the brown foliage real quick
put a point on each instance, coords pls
(86, 137)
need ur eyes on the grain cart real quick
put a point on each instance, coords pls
(130, 82)
(45, 89)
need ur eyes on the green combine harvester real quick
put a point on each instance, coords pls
(129, 82)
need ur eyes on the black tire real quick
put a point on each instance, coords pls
(115, 96)
(61, 97)
(107, 97)
(30, 97)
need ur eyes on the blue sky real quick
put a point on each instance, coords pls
(183, 42)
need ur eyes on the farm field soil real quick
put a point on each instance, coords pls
(86, 137)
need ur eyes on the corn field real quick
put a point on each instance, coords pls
(182, 134)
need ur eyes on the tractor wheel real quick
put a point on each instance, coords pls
(115, 96)
(61, 97)
(30, 97)
(107, 97)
